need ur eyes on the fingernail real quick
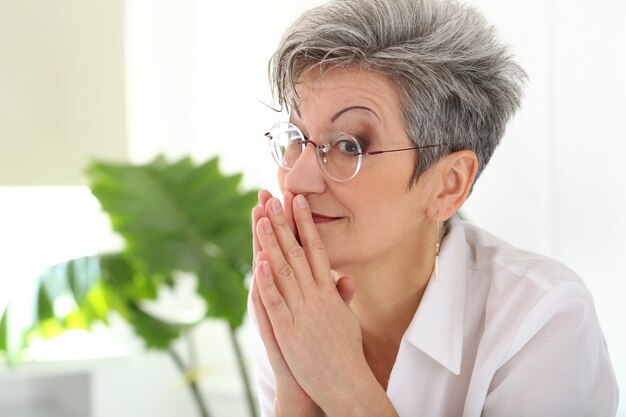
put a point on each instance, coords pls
(301, 202)
(267, 226)
(276, 207)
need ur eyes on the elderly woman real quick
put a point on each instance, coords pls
(371, 298)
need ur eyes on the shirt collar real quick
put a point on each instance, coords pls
(437, 327)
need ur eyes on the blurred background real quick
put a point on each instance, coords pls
(128, 80)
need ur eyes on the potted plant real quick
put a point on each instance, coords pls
(174, 218)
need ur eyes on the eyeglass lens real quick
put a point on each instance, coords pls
(340, 159)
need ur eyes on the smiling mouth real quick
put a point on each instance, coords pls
(319, 218)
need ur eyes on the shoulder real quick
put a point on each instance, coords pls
(513, 269)
(524, 291)
(533, 319)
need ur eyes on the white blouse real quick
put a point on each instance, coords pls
(504, 332)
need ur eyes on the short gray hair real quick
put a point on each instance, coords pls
(458, 84)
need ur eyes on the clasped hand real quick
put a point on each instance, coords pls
(312, 338)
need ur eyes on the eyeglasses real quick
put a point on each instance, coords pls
(340, 159)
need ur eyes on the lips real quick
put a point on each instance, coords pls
(320, 218)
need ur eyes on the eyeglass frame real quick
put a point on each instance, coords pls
(323, 148)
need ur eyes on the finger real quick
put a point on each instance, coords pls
(282, 271)
(274, 354)
(291, 250)
(257, 213)
(312, 242)
(263, 196)
(277, 310)
(346, 287)
(287, 205)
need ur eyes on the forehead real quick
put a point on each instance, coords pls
(320, 94)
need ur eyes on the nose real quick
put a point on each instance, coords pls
(306, 175)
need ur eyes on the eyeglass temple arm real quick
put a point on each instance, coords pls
(398, 150)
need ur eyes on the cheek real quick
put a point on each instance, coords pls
(384, 204)
(369, 207)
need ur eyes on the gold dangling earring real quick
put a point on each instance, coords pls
(437, 244)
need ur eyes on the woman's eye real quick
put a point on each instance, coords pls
(348, 146)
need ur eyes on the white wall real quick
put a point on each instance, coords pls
(197, 74)
(62, 98)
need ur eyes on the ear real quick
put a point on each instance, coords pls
(455, 175)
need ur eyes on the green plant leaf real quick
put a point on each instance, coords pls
(45, 309)
(156, 333)
(120, 276)
(49, 328)
(99, 285)
(97, 304)
(173, 217)
(182, 217)
(4, 334)
(82, 274)
(222, 287)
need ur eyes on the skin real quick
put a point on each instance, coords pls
(372, 230)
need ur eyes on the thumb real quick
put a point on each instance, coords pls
(346, 288)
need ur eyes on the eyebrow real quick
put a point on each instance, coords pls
(341, 112)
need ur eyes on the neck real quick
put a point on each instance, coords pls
(389, 290)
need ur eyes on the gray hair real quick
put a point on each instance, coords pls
(458, 84)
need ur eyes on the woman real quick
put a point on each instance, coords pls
(371, 299)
